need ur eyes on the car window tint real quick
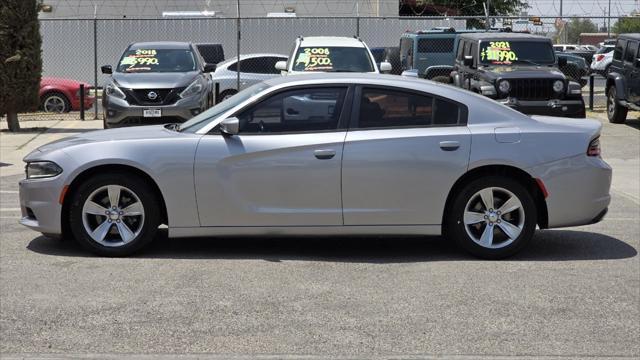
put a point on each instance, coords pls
(445, 112)
(632, 48)
(435, 45)
(618, 50)
(303, 110)
(258, 65)
(389, 108)
(460, 50)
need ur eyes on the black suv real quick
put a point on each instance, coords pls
(623, 80)
(518, 70)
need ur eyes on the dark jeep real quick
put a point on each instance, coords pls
(623, 80)
(518, 70)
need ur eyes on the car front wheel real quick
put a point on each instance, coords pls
(55, 102)
(617, 114)
(114, 214)
(492, 217)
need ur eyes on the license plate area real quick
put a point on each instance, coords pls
(151, 113)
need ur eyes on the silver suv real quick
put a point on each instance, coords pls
(156, 82)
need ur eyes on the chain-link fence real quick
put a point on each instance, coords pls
(75, 49)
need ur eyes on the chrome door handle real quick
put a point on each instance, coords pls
(449, 145)
(324, 154)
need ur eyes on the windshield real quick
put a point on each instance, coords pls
(333, 59)
(524, 52)
(204, 118)
(604, 50)
(157, 60)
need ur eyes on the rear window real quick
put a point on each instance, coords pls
(435, 45)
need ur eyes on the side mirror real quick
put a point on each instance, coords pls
(385, 66)
(562, 61)
(106, 69)
(209, 67)
(230, 126)
(468, 61)
(281, 65)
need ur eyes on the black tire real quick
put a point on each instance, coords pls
(616, 113)
(225, 94)
(456, 230)
(148, 226)
(64, 103)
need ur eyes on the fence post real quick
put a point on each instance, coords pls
(358, 26)
(81, 101)
(95, 70)
(238, 51)
(591, 81)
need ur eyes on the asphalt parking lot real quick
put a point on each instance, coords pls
(574, 292)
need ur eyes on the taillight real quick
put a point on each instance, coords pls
(594, 147)
(599, 57)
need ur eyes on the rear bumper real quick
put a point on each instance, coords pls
(554, 107)
(578, 190)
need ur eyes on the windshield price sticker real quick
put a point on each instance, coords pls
(315, 59)
(141, 60)
(498, 52)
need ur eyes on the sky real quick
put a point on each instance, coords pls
(583, 7)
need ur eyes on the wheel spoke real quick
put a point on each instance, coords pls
(101, 231)
(114, 195)
(125, 233)
(472, 217)
(486, 239)
(509, 229)
(94, 208)
(134, 209)
(512, 204)
(487, 198)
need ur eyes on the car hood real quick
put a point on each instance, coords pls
(520, 72)
(156, 80)
(111, 135)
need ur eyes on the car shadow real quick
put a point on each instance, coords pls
(634, 123)
(547, 245)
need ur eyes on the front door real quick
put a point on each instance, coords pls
(402, 154)
(282, 169)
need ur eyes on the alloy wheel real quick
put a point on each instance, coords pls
(54, 104)
(494, 217)
(113, 215)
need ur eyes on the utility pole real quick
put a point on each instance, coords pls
(486, 13)
(609, 20)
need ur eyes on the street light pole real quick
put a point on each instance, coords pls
(609, 21)
(238, 49)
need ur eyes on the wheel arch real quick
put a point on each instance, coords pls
(87, 173)
(509, 171)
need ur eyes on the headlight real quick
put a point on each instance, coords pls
(42, 169)
(112, 90)
(193, 89)
(558, 86)
(504, 86)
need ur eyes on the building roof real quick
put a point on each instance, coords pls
(160, 45)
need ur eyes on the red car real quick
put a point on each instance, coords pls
(63, 95)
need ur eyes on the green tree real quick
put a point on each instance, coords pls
(629, 24)
(467, 8)
(575, 27)
(20, 58)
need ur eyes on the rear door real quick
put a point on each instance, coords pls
(403, 152)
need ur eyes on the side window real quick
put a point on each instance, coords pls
(233, 67)
(473, 52)
(435, 45)
(460, 50)
(302, 110)
(632, 48)
(618, 50)
(259, 65)
(386, 108)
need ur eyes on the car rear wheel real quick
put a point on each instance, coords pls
(617, 114)
(114, 214)
(55, 102)
(492, 217)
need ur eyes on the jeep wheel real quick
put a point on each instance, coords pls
(616, 113)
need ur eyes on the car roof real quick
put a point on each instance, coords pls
(503, 35)
(160, 45)
(334, 41)
(630, 36)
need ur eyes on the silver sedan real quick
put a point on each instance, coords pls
(325, 154)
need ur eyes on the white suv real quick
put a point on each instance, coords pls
(331, 54)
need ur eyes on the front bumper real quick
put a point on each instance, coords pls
(120, 113)
(578, 190)
(553, 107)
(39, 203)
